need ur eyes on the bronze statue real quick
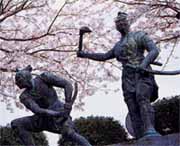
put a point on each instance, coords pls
(138, 86)
(50, 114)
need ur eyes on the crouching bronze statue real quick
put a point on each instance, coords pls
(50, 113)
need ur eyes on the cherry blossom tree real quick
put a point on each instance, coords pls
(45, 34)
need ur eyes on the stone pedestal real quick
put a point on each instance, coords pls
(168, 140)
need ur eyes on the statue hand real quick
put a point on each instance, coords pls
(80, 54)
(66, 114)
(67, 109)
(67, 106)
(84, 29)
(54, 113)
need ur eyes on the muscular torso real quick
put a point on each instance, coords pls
(129, 49)
(42, 93)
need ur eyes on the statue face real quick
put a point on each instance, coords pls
(122, 26)
(23, 78)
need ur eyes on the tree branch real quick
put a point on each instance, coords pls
(50, 26)
(8, 2)
(157, 5)
(7, 95)
(25, 39)
(52, 50)
(131, 3)
(1, 7)
(6, 70)
(6, 51)
(31, 38)
(18, 9)
(168, 39)
(170, 55)
(167, 5)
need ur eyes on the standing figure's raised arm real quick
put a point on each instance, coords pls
(97, 56)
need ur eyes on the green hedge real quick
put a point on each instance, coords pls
(167, 114)
(8, 138)
(98, 131)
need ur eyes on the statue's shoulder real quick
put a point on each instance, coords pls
(48, 77)
(46, 74)
(139, 34)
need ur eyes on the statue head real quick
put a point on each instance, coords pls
(23, 77)
(121, 22)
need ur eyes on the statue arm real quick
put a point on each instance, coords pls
(35, 108)
(54, 80)
(153, 51)
(32, 106)
(97, 56)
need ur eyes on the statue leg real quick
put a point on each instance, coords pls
(69, 133)
(144, 91)
(134, 112)
(23, 128)
(77, 138)
(67, 129)
(129, 80)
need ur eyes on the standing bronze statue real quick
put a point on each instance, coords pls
(50, 114)
(138, 86)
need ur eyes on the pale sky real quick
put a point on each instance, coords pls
(101, 104)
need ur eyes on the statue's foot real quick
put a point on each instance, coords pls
(150, 133)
